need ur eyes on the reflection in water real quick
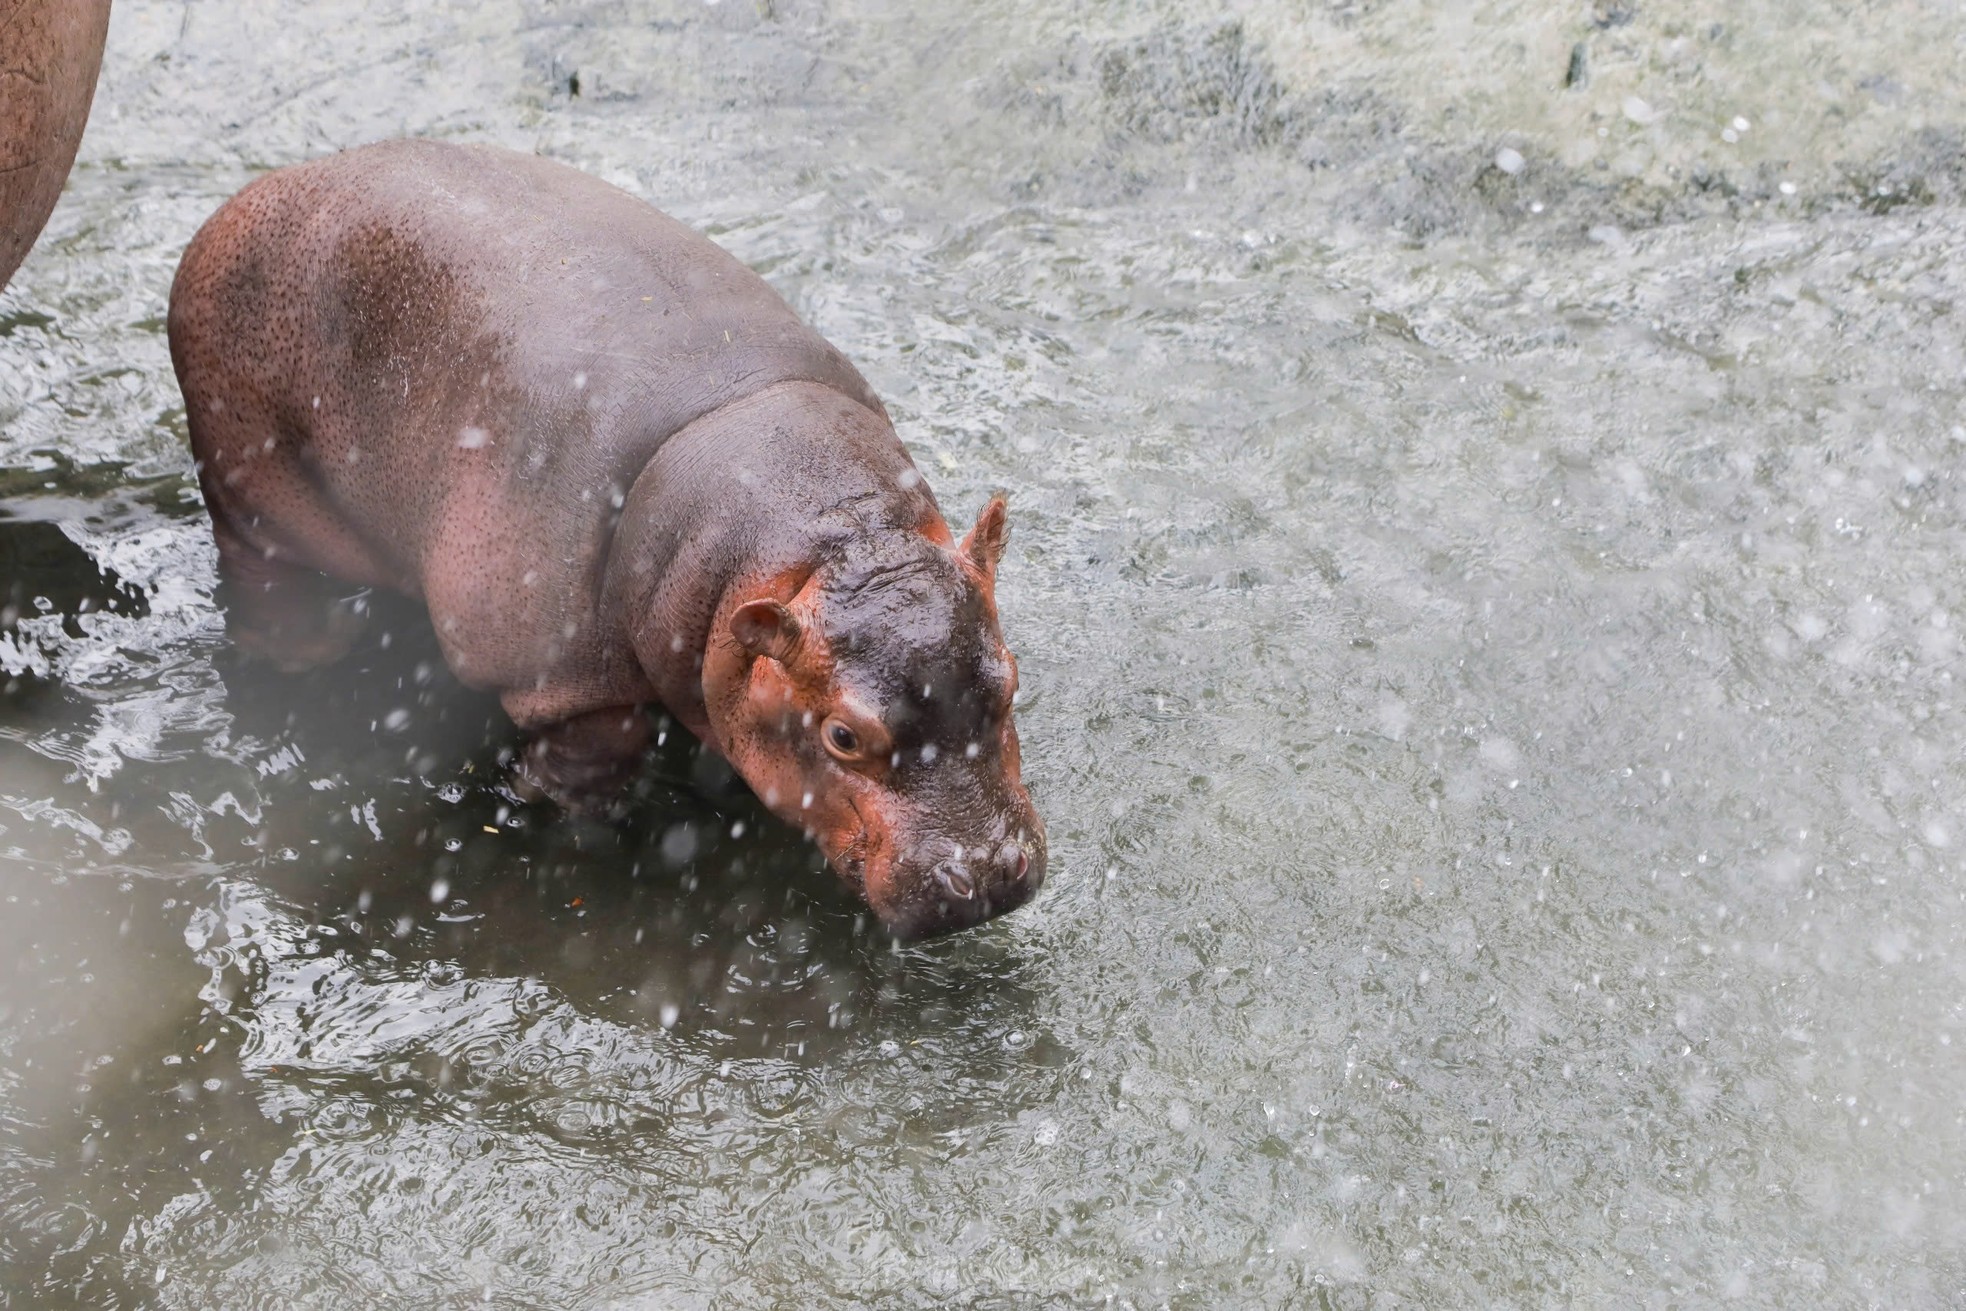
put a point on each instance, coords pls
(46, 573)
(1485, 571)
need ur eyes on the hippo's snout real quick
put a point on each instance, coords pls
(1008, 867)
(965, 886)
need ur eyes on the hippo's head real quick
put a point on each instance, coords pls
(873, 709)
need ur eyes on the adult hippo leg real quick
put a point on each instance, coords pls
(50, 53)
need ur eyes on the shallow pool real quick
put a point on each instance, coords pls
(1488, 568)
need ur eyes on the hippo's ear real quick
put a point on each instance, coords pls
(765, 628)
(986, 541)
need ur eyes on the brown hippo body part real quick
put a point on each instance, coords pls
(50, 53)
(618, 469)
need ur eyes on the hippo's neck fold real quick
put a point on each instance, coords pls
(749, 500)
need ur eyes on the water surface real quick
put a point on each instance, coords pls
(1487, 573)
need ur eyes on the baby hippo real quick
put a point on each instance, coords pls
(617, 469)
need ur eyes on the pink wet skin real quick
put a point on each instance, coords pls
(50, 53)
(618, 470)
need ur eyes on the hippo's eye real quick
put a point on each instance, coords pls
(843, 740)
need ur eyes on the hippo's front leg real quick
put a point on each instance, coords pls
(584, 762)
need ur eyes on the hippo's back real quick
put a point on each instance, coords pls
(440, 368)
(383, 273)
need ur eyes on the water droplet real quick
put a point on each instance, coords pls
(678, 843)
(202, 927)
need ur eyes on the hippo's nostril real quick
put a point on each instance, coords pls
(957, 883)
(1015, 860)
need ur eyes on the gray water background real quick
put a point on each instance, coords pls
(1489, 554)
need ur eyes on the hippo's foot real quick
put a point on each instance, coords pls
(583, 764)
(295, 643)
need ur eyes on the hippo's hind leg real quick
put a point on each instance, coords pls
(292, 616)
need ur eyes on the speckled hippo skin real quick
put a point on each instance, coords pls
(618, 469)
(50, 53)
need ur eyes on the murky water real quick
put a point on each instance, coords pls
(1488, 570)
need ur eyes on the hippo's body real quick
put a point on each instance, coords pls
(50, 53)
(618, 469)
